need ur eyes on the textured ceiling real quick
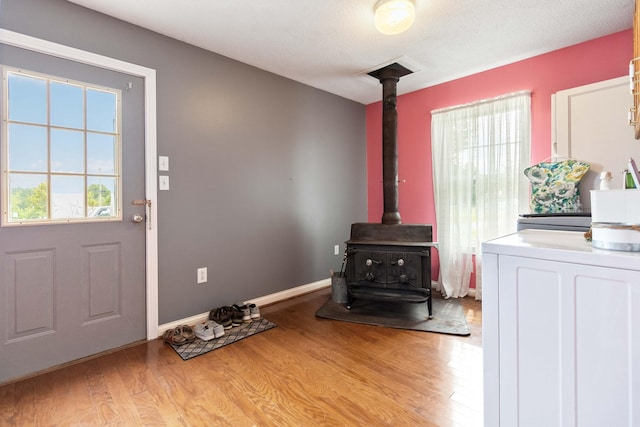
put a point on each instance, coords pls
(330, 44)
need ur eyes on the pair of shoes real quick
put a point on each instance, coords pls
(236, 315)
(179, 335)
(222, 316)
(171, 337)
(243, 314)
(209, 330)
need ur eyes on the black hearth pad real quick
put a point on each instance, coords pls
(448, 316)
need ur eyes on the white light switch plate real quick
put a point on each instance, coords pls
(163, 163)
(164, 182)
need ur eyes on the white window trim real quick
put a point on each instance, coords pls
(34, 44)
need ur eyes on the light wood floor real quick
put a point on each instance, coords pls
(307, 371)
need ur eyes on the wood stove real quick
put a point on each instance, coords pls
(389, 261)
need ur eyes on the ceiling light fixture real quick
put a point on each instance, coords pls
(394, 16)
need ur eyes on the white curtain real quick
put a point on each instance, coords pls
(479, 153)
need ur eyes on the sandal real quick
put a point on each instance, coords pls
(187, 332)
(174, 337)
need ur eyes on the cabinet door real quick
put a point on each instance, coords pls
(590, 125)
(569, 336)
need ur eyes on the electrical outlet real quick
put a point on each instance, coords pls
(202, 275)
(336, 250)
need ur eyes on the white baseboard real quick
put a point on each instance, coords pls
(260, 301)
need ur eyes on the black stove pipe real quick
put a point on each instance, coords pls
(391, 213)
(389, 77)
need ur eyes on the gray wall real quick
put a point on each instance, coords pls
(266, 174)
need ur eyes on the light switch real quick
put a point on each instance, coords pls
(164, 182)
(163, 163)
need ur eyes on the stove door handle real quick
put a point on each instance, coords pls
(369, 262)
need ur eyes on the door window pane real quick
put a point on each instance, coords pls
(27, 197)
(101, 111)
(60, 150)
(27, 99)
(101, 153)
(67, 105)
(101, 197)
(67, 151)
(27, 147)
(67, 196)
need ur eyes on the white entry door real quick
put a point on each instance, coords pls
(72, 280)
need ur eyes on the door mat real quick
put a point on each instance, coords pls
(198, 347)
(448, 315)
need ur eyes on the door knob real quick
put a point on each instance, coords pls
(137, 218)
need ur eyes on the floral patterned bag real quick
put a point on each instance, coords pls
(555, 186)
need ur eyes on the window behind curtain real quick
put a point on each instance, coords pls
(479, 152)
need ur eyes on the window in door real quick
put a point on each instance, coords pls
(60, 150)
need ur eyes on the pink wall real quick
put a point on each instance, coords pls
(600, 59)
